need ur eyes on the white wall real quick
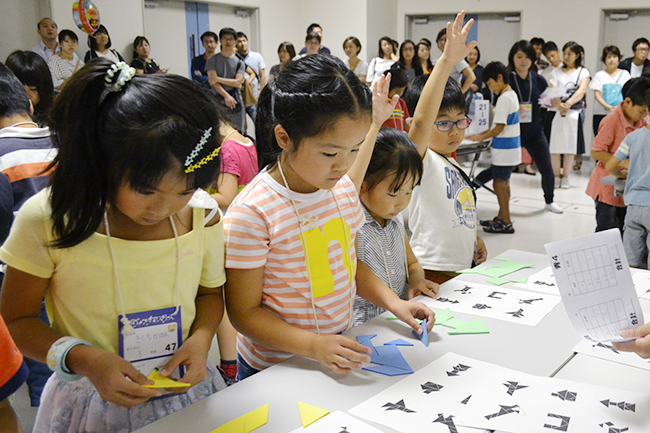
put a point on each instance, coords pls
(382, 21)
(18, 25)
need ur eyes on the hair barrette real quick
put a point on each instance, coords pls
(124, 74)
(189, 167)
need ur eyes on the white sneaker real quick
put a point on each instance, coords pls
(554, 207)
(558, 182)
(565, 183)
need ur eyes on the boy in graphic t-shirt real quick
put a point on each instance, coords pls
(506, 145)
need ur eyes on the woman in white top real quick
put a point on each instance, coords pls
(352, 48)
(65, 63)
(608, 85)
(567, 133)
(100, 46)
(382, 62)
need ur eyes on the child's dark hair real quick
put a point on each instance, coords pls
(398, 77)
(137, 43)
(133, 138)
(525, 47)
(637, 89)
(549, 46)
(209, 34)
(452, 98)
(309, 95)
(227, 31)
(92, 42)
(610, 49)
(577, 50)
(13, 99)
(32, 71)
(380, 53)
(394, 154)
(493, 70)
(65, 33)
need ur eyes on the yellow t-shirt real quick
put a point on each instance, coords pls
(82, 299)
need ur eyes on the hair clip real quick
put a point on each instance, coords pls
(125, 74)
(204, 161)
(196, 151)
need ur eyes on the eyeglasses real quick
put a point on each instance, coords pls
(446, 125)
(643, 49)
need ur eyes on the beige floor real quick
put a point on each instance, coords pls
(533, 228)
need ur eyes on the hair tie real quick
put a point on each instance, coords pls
(189, 167)
(116, 77)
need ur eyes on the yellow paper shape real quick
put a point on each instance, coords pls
(164, 382)
(246, 423)
(235, 426)
(310, 414)
(256, 418)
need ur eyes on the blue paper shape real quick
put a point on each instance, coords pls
(398, 342)
(390, 359)
(424, 337)
(387, 370)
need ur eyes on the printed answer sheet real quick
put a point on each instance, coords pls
(596, 285)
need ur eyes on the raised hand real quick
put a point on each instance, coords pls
(382, 107)
(456, 49)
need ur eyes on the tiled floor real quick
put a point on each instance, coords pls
(534, 227)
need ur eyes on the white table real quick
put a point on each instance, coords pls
(538, 350)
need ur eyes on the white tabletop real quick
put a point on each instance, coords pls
(538, 350)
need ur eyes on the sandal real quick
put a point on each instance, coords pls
(499, 227)
(577, 165)
(494, 220)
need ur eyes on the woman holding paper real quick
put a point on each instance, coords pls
(529, 85)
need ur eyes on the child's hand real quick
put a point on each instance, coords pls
(422, 286)
(407, 312)
(480, 255)
(474, 137)
(339, 352)
(641, 345)
(116, 380)
(193, 354)
(455, 48)
(382, 107)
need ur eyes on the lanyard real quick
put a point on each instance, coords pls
(530, 93)
(304, 246)
(128, 329)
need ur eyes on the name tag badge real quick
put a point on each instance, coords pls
(158, 335)
(526, 112)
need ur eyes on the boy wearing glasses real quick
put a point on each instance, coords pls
(506, 145)
(441, 216)
(638, 64)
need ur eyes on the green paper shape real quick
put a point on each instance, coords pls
(521, 280)
(392, 318)
(497, 271)
(476, 326)
(497, 281)
(454, 323)
(443, 316)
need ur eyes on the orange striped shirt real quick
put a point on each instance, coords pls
(263, 230)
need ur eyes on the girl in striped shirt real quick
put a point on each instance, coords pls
(291, 233)
(394, 170)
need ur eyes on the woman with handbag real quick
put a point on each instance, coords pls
(566, 114)
(608, 85)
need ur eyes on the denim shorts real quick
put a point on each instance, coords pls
(244, 370)
(502, 172)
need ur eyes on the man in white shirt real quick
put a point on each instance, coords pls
(638, 64)
(48, 31)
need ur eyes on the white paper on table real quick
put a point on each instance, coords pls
(542, 281)
(496, 302)
(429, 399)
(596, 285)
(607, 351)
(513, 401)
(337, 422)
